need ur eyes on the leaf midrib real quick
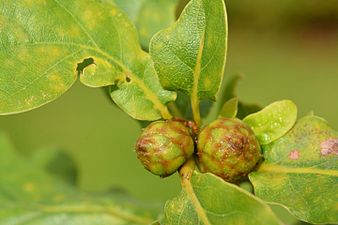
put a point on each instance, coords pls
(194, 200)
(77, 22)
(196, 80)
(274, 168)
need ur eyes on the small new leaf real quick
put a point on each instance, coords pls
(273, 121)
(230, 108)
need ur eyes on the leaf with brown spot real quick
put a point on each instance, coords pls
(297, 175)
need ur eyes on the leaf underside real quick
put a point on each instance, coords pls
(300, 172)
(46, 44)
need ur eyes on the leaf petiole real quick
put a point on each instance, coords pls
(186, 173)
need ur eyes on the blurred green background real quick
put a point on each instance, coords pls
(283, 49)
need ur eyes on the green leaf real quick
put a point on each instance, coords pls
(28, 195)
(230, 108)
(149, 16)
(273, 121)
(300, 171)
(190, 55)
(46, 44)
(207, 200)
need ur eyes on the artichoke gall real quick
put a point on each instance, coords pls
(228, 148)
(164, 146)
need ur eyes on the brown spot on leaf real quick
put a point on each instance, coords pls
(329, 147)
(294, 155)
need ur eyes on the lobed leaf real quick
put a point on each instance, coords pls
(273, 121)
(46, 44)
(190, 55)
(149, 16)
(28, 195)
(300, 172)
(209, 200)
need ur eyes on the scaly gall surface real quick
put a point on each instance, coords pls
(228, 148)
(164, 146)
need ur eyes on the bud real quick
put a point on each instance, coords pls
(164, 146)
(228, 148)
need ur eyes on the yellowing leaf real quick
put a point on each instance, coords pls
(300, 172)
(46, 44)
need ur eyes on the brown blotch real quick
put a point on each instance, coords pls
(329, 147)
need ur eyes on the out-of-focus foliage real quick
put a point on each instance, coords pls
(30, 196)
(284, 14)
(149, 16)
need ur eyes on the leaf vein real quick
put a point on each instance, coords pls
(77, 22)
(43, 74)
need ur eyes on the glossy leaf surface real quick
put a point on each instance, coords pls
(300, 171)
(273, 121)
